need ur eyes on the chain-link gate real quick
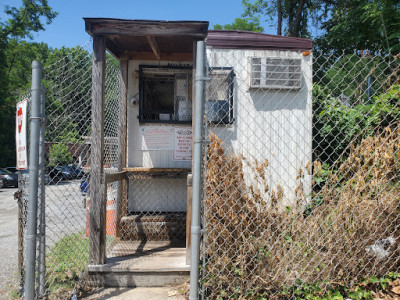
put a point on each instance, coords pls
(301, 172)
(63, 235)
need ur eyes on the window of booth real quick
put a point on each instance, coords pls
(219, 105)
(165, 94)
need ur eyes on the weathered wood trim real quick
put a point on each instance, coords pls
(122, 195)
(112, 177)
(97, 26)
(130, 55)
(97, 244)
(157, 170)
(151, 173)
(154, 46)
(113, 48)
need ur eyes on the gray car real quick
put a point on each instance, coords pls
(9, 179)
(25, 174)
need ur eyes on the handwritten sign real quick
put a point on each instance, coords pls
(183, 144)
(157, 138)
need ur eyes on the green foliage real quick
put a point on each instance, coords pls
(290, 16)
(59, 155)
(337, 126)
(15, 60)
(342, 25)
(247, 24)
(28, 18)
(62, 271)
(362, 25)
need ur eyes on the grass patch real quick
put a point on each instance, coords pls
(66, 261)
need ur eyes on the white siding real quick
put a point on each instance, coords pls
(156, 194)
(272, 124)
(136, 156)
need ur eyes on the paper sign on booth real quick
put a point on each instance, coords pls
(183, 144)
(157, 138)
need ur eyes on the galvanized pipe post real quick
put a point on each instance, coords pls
(33, 182)
(197, 158)
(42, 203)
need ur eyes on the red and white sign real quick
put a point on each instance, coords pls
(20, 135)
(183, 144)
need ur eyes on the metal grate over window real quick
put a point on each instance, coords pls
(165, 95)
(219, 105)
(275, 73)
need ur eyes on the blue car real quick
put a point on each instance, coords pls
(84, 186)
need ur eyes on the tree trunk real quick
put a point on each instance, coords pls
(297, 19)
(290, 6)
(279, 29)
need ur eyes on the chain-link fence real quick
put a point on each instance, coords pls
(157, 197)
(301, 173)
(63, 235)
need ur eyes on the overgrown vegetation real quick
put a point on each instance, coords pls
(336, 125)
(65, 262)
(257, 246)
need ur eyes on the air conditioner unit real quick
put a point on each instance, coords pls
(275, 73)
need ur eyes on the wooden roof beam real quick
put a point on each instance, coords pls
(195, 29)
(163, 56)
(154, 46)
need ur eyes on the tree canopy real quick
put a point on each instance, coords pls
(247, 24)
(16, 56)
(335, 25)
(362, 25)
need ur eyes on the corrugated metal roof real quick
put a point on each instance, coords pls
(236, 39)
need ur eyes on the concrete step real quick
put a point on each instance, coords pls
(136, 264)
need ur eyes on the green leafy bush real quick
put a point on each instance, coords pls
(337, 126)
(59, 155)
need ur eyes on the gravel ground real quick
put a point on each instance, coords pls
(8, 240)
(65, 215)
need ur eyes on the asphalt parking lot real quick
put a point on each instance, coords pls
(8, 238)
(65, 215)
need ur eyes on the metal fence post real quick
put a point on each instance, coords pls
(33, 182)
(198, 125)
(42, 203)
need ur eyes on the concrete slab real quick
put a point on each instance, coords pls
(140, 293)
(141, 264)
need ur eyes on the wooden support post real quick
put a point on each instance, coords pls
(122, 195)
(97, 250)
(154, 46)
(188, 217)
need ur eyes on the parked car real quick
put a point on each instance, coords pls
(55, 174)
(25, 176)
(1, 183)
(84, 185)
(11, 169)
(9, 179)
(65, 171)
(77, 172)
